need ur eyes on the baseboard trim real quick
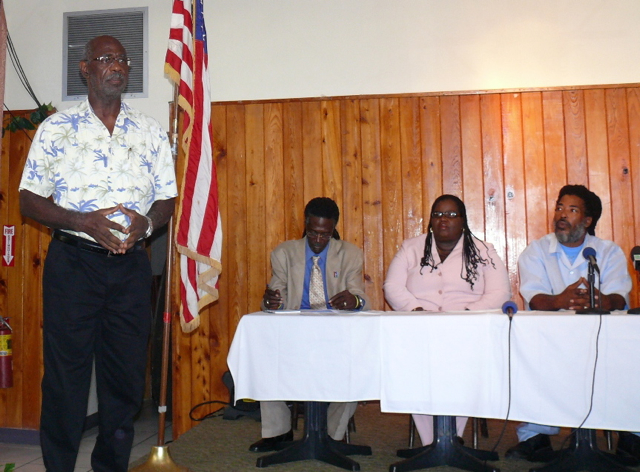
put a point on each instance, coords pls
(20, 436)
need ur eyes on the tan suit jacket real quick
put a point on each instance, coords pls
(343, 271)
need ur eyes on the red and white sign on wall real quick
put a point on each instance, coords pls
(8, 251)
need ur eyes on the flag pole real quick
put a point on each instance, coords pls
(166, 333)
(159, 458)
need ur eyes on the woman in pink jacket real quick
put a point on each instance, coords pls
(447, 269)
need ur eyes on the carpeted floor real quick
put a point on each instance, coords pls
(222, 445)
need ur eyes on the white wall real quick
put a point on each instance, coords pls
(36, 30)
(262, 49)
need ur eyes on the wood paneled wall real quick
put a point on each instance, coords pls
(20, 289)
(384, 160)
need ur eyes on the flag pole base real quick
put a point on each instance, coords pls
(159, 460)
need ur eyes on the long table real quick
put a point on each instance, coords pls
(448, 363)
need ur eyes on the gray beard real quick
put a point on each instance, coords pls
(572, 236)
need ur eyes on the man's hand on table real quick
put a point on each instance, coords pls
(574, 297)
(344, 300)
(272, 299)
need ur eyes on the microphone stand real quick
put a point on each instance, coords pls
(591, 278)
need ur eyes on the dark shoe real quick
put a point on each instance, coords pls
(271, 444)
(628, 445)
(535, 449)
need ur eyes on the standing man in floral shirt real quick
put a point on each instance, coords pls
(101, 175)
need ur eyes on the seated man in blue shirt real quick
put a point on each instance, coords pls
(317, 272)
(553, 275)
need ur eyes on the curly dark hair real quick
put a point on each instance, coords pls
(471, 258)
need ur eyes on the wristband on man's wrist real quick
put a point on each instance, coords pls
(150, 228)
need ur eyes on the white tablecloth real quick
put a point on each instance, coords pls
(448, 363)
(306, 357)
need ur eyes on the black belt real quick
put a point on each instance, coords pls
(86, 245)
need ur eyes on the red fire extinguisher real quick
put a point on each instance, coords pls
(6, 354)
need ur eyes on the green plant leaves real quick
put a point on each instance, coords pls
(22, 123)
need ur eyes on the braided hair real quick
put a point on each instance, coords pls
(471, 258)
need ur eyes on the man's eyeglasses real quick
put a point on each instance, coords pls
(109, 59)
(447, 214)
(320, 236)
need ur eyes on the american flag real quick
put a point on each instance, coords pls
(199, 231)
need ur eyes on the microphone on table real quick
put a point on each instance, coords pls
(509, 308)
(635, 258)
(590, 254)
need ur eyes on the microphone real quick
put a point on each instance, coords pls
(635, 257)
(590, 254)
(509, 308)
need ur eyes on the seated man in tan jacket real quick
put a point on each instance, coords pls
(318, 272)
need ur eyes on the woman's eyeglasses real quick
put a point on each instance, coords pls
(446, 214)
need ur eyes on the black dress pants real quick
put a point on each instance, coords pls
(96, 307)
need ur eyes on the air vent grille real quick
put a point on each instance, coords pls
(129, 26)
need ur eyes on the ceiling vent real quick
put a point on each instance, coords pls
(128, 25)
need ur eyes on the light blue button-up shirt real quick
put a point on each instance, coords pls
(545, 268)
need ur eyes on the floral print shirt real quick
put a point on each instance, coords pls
(74, 159)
